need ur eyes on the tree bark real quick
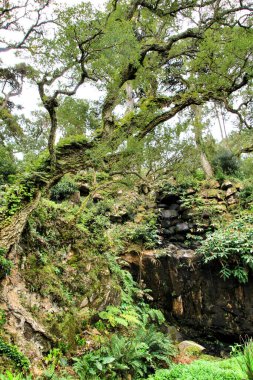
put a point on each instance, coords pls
(198, 127)
(10, 234)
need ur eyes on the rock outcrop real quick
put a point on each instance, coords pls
(193, 294)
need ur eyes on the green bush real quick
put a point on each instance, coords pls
(7, 164)
(11, 376)
(202, 370)
(5, 264)
(145, 232)
(62, 190)
(226, 162)
(137, 355)
(248, 359)
(134, 345)
(246, 194)
(232, 246)
(246, 167)
(244, 354)
(10, 351)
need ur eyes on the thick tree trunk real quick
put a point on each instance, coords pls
(10, 234)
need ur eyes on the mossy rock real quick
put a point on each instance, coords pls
(188, 347)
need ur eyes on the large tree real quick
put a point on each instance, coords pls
(173, 55)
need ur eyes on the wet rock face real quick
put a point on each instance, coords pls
(194, 295)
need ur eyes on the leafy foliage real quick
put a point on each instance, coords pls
(15, 197)
(12, 352)
(244, 355)
(231, 245)
(134, 344)
(8, 165)
(5, 264)
(202, 370)
(226, 162)
(126, 355)
(10, 376)
(63, 189)
(246, 194)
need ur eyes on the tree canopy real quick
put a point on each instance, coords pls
(163, 58)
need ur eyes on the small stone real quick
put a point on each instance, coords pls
(221, 207)
(173, 206)
(167, 223)
(174, 333)
(230, 191)
(168, 214)
(75, 197)
(168, 231)
(84, 303)
(211, 193)
(226, 185)
(239, 186)
(190, 347)
(213, 184)
(190, 191)
(182, 227)
(231, 200)
(97, 197)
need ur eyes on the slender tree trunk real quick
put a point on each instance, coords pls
(219, 122)
(198, 127)
(130, 99)
(52, 136)
(206, 165)
(224, 125)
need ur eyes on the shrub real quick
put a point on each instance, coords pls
(232, 246)
(7, 164)
(11, 376)
(246, 194)
(138, 356)
(5, 264)
(226, 162)
(145, 232)
(244, 355)
(63, 190)
(12, 352)
(246, 167)
(202, 370)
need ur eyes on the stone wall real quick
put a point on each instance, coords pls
(186, 215)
